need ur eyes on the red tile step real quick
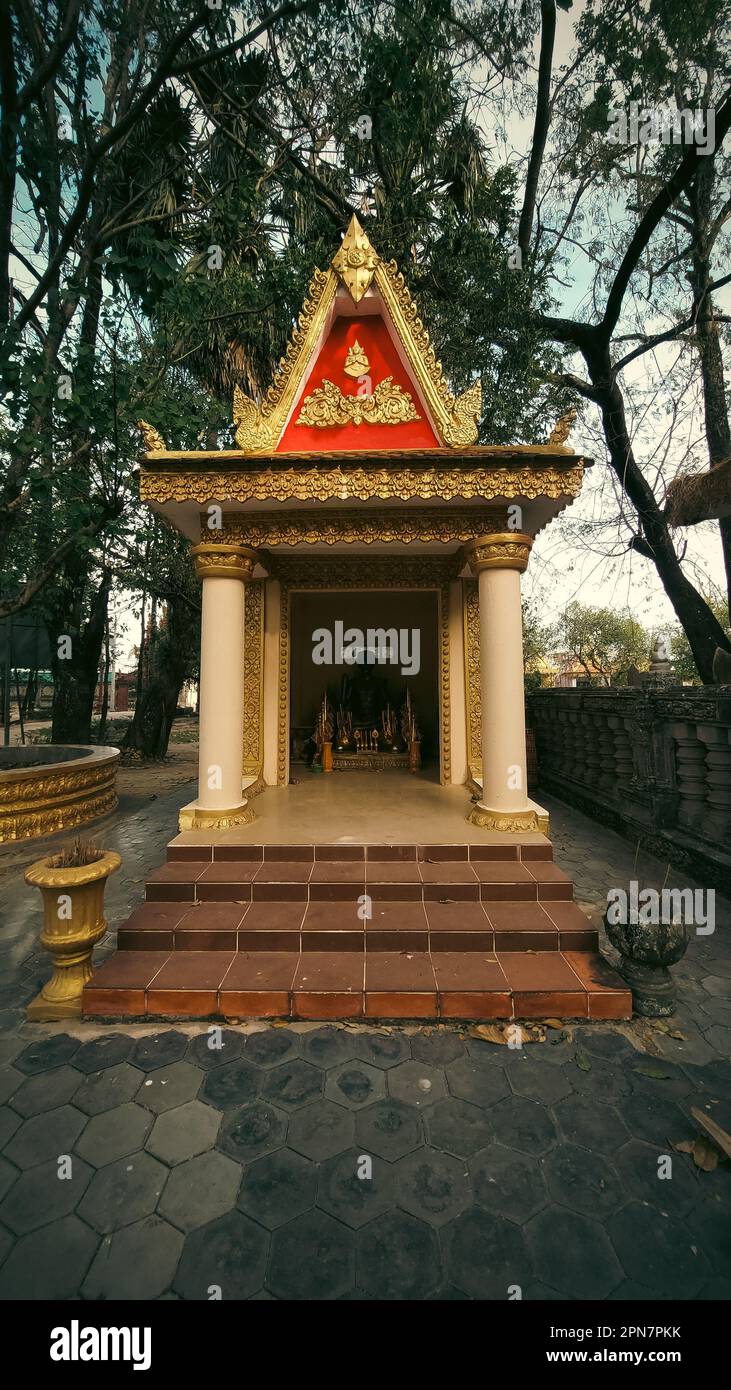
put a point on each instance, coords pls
(340, 926)
(356, 984)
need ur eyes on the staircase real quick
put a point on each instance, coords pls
(481, 931)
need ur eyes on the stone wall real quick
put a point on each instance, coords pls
(655, 764)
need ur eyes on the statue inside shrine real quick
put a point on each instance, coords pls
(365, 730)
(362, 695)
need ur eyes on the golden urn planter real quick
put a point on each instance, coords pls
(73, 923)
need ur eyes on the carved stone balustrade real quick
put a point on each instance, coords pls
(654, 764)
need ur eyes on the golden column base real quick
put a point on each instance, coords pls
(197, 818)
(508, 822)
(73, 923)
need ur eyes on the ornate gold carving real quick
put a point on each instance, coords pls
(253, 679)
(195, 818)
(259, 428)
(328, 408)
(360, 484)
(472, 676)
(368, 527)
(510, 822)
(57, 797)
(506, 550)
(216, 560)
(154, 442)
(356, 362)
(455, 419)
(562, 429)
(355, 262)
(372, 572)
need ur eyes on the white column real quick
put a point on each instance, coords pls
(223, 570)
(499, 560)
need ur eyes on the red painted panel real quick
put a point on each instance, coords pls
(373, 336)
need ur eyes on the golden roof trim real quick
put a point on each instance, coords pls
(259, 428)
(358, 484)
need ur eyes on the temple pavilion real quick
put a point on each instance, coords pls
(362, 842)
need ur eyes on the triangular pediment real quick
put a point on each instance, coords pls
(359, 373)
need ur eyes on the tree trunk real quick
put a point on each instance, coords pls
(75, 676)
(700, 625)
(715, 405)
(170, 662)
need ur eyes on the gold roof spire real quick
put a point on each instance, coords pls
(355, 262)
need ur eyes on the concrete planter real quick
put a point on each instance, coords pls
(647, 950)
(46, 788)
(73, 923)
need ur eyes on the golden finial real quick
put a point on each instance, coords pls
(355, 262)
(154, 442)
(562, 428)
(356, 362)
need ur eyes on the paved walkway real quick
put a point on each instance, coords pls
(336, 1162)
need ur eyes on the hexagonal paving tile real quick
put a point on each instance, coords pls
(327, 1047)
(355, 1084)
(234, 1083)
(605, 1081)
(658, 1251)
(123, 1192)
(398, 1258)
(184, 1132)
(114, 1134)
(416, 1083)
(640, 1167)
(45, 1136)
(214, 1047)
(653, 1118)
(389, 1128)
(227, 1255)
(439, 1048)
(9, 1123)
(252, 1131)
(46, 1054)
(8, 1175)
(159, 1050)
(486, 1255)
(597, 1127)
(433, 1186)
(532, 1078)
(50, 1263)
(472, 1080)
(199, 1190)
(321, 1130)
(609, 1045)
(44, 1194)
(382, 1049)
(355, 1187)
(137, 1262)
(524, 1125)
(278, 1187)
(313, 1257)
(46, 1090)
(103, 1090)
(293, 1084)
(654, 1076)
(713, 1236)
(170, 1086)
(107, 1051)
(10, 1080)
(714, 1077)
(572, 1254)
(508, 1183)
(457, 1127)
(582, 1181)
(272, 1046)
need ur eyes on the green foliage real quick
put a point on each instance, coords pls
(604, 642)
(684, 666)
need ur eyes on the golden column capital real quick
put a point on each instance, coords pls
(503, 550)
(219, 560)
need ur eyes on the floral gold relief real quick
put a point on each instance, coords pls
(328, 407)
(59, 797)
